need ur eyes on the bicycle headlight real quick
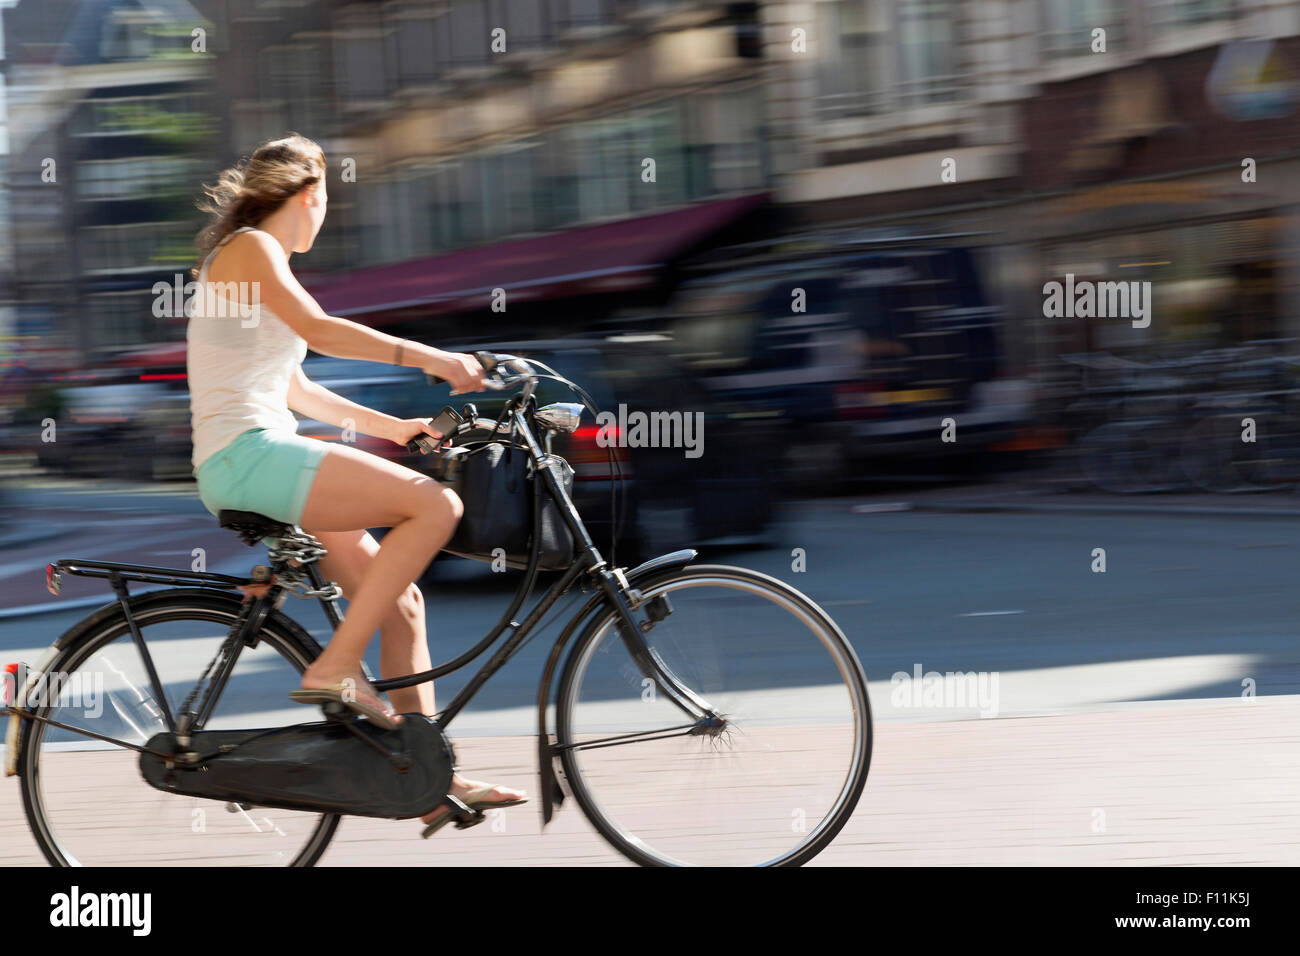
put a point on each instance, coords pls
(561, 417)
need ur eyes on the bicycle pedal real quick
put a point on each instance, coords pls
(335, 711)
(462, 815)
(477, 817)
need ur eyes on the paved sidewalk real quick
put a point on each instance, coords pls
(1203, 782)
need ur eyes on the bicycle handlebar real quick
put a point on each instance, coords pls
(493, 363)
(490, 361)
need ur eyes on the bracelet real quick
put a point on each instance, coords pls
(399, 352)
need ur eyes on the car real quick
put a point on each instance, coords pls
(888, 345)
(104, 431)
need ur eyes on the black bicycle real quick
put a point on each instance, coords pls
(699, 714)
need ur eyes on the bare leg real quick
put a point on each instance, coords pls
(354, 490)
(405, 648)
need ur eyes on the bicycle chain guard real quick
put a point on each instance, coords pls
(318, 767)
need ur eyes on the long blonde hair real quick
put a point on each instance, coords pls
(252, 189)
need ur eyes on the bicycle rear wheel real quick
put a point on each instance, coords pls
(783, 777)
(86, 801)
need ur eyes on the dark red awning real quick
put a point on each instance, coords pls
(607, 257)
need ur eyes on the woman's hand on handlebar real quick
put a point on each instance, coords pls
(462, 371)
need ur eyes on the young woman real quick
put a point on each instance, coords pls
(249, 331)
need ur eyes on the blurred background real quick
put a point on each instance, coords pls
(828, 227)
(835, 218)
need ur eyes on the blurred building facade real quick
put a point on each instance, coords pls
(484, 144)
(470, 124)
(108, 106)
(1103, 138)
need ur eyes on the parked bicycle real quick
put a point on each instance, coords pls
(698, 714)
(1222, 420)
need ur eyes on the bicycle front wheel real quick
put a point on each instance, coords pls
(86, 801)
(782, 776)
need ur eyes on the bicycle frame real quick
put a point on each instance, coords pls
(614, 587)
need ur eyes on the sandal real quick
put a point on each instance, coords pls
(473, 802)
(339, 694)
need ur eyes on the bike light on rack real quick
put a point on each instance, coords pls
(15, 676)
(53, 580)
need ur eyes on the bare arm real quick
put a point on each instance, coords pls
(316, 401)
(257, 258)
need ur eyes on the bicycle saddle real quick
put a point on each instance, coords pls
(253, 527)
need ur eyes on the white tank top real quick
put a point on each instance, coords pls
(239, 362)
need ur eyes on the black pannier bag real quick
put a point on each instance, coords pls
(495, 481)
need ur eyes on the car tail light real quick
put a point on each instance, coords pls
(590, 458)
(858, 399)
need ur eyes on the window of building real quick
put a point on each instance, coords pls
(127, 35)
(117, 320)
(853, 56)
(575, 14)
(360, 66)
(290, 76)
(1070, 24)
(875, 56)
(136, 245)
(412, 42)
(465, 36)
(927, 51)
(729, 133)
(1183, 13)
(526, 23)
(132, 178)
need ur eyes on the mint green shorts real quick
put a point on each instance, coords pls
(267, 471)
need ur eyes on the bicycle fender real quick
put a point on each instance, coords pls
(552, 792)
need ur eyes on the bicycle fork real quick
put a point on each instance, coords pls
(624, 598)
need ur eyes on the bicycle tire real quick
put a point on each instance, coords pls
(857, 680)
(81, 641)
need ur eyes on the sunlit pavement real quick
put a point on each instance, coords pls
(1206, 783)
(1145, 714)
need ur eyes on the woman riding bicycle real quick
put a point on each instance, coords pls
(250, 328)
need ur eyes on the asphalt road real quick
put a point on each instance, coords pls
(1187, 607)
